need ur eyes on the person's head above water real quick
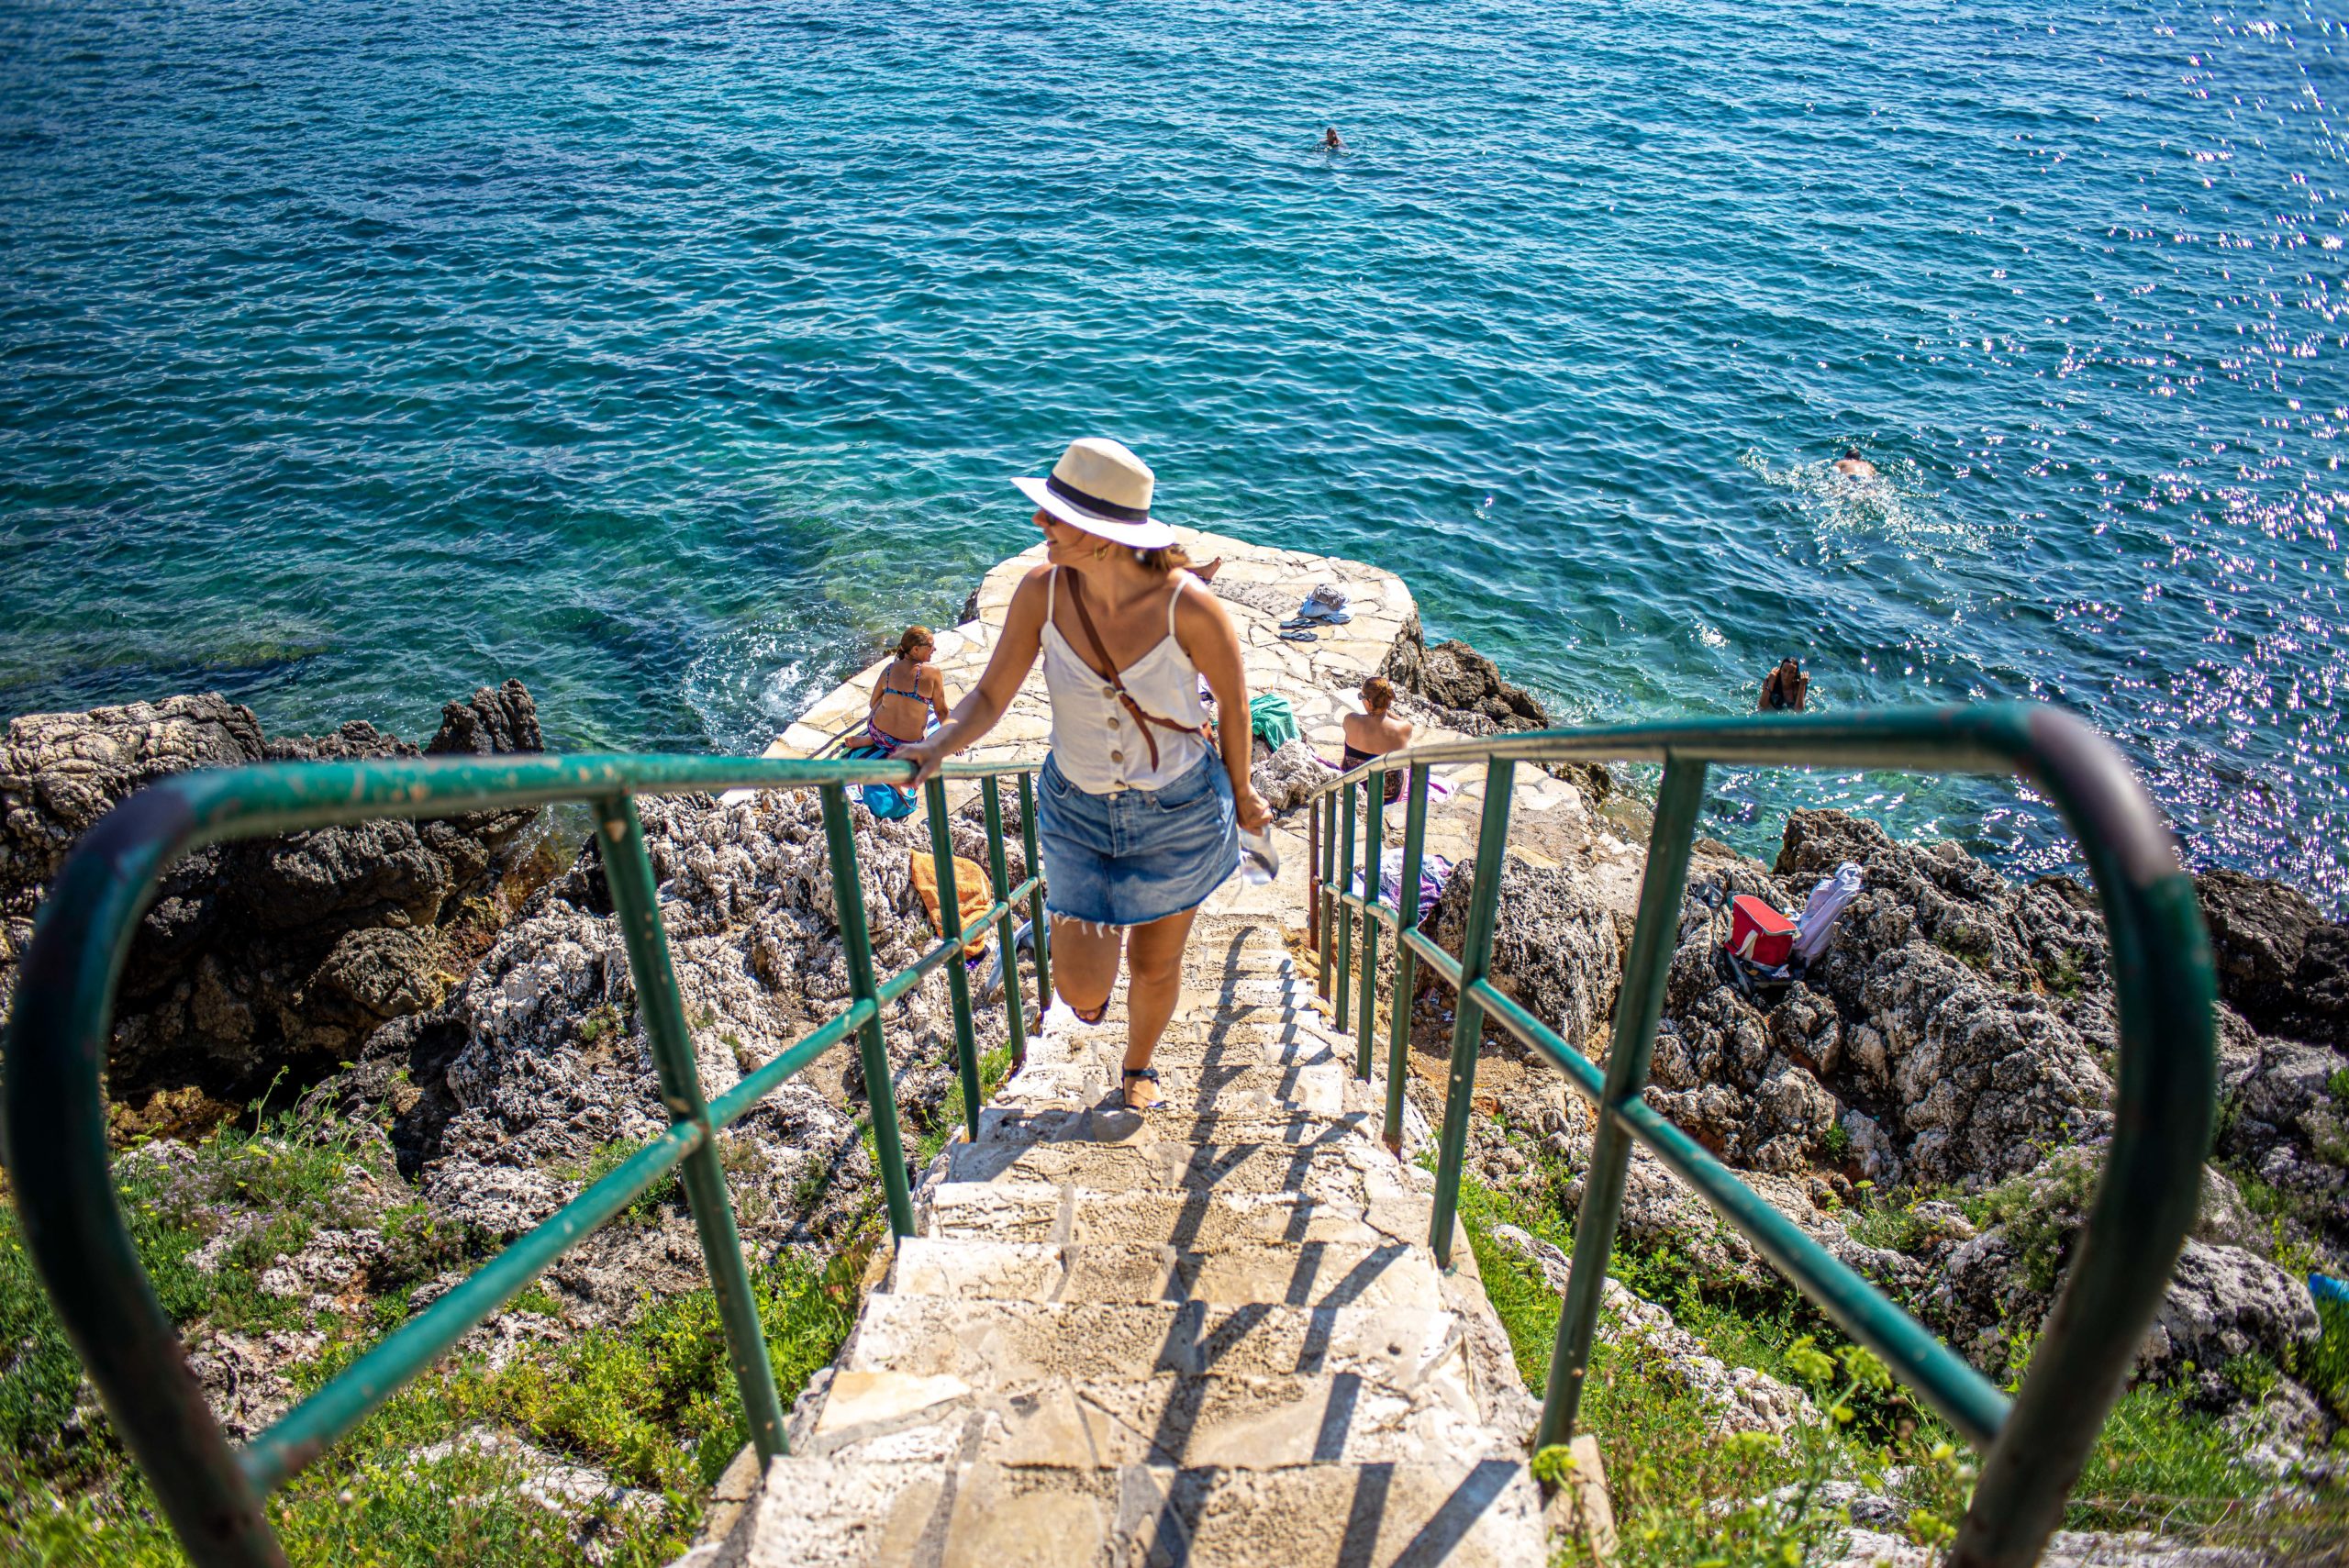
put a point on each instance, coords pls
(1330, 139)
(1851, 454)
(1791, 662)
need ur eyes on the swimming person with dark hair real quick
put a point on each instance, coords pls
(1785, 688)
(910, 689)
(1329, 143)
(1854, 465)
(1375, 731)
(1138, 816)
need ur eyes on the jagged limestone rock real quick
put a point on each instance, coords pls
(266, 953)
(1556, 945)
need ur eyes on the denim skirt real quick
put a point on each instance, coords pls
(1138, 855)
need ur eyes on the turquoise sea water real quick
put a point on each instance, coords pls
(668, 357)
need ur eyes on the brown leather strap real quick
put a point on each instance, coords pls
(1117, 683)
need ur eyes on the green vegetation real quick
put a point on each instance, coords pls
(436, 1476)
(2291, 1218)
(2040, 1210)
(645, 1208)
(1684, 1494)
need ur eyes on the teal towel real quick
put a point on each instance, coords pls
(1272, 720)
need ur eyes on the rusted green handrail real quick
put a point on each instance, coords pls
(62, 1022)
(2163, 985)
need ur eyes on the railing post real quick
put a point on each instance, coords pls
(1341, 911)
(1007, 926)
(628, 873)
(1373, 854)
(1325, 868)
(1407, 919)
(1637, 1008)
(873, 1054)
(1040, 929)
(1313, 877)
(958, 978)
(1468, 1022)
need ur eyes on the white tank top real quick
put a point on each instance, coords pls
(1099, 745)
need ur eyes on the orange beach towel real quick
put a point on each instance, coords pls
(970, 892)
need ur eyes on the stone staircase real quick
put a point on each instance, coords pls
(1213, 1334)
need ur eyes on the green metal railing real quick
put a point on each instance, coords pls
(2033, 1447)
(55, 1122)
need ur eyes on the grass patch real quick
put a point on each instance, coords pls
(1684, 1494)
(2163, 1464)
(652, 1404)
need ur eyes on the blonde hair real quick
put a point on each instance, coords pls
(916, 637)
(1378, 694)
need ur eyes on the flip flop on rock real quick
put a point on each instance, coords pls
(1298, 636)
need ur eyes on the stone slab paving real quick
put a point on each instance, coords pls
(1213, 1334)
(1260, 587)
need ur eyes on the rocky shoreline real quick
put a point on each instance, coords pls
(1932, 1100)
(453, 1000)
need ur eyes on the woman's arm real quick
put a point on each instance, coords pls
(1205, 633)
(938, 693)
(1015, 654)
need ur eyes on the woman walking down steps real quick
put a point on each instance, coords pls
(1137, 818)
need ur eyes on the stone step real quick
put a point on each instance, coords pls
(843, 1513)
(1248, 1423)
(1188, 1082)
(1316, 1273)
(1000, 1343)
(1294, 1041)
(1333, 1166)
(1197, 1220)
(1246, 1118)
(1239, 1022)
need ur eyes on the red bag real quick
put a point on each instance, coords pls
(1758, 933)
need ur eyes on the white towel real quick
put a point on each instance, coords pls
(1823, 908)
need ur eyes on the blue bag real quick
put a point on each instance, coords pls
(886, 802)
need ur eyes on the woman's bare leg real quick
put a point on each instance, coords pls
(1084, 965)
(1155, 982)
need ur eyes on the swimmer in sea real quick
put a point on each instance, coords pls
(1329, 143)
(1854, 464)
(1785, 688)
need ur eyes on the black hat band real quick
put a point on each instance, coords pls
(1070, 493)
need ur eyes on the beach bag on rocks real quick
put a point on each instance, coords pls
(886, 802)
(1759, 934)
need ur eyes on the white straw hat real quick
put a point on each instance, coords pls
(1099, 486)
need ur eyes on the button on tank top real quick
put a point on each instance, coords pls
(1097, 742)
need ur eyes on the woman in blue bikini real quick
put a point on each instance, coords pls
(1137, 816)
(909, 690)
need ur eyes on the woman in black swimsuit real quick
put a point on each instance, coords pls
(1784, 688)
(1377, 731)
